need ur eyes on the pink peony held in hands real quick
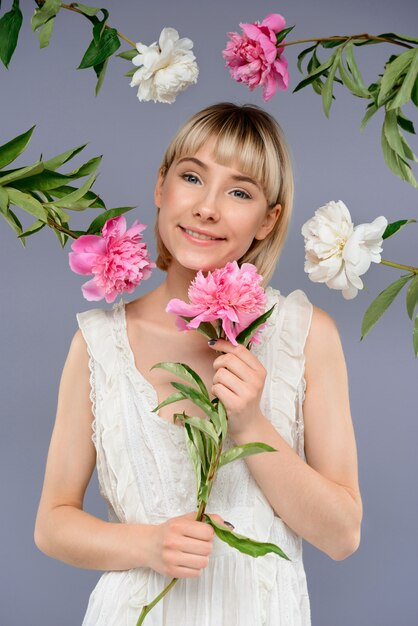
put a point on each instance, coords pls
(254, 57)
(117, 259)
(231, 294)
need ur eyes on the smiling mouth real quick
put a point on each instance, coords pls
(193, 233)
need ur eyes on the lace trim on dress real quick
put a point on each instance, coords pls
(93, 397)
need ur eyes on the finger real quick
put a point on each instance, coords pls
(235, 365)
(230, 381)
(219, 520)
(198, 530)
(196, 546)
(243, 353)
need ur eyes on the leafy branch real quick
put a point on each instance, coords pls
(105, 42)
(394, 88)
(46, 194)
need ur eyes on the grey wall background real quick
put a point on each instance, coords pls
(40, 295)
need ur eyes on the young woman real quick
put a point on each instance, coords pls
(224, 192)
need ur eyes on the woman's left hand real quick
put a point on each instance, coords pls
(238, 383)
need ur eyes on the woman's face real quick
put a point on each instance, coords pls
(210, 213)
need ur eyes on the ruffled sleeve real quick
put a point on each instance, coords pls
(283, 396)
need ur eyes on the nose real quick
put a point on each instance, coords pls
(206, 209)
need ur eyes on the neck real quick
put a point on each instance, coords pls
(177, 282)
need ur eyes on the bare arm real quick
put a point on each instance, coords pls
(179, 547)
(320, 500)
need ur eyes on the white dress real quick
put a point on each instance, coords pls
(146, 476)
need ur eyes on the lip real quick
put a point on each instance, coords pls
(201, 242)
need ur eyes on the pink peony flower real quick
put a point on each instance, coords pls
(117, 259)
(254, 57)
(231, 294)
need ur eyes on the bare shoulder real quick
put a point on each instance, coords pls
(323, 344)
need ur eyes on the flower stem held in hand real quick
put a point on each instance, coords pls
(199, 516)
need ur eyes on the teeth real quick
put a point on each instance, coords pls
(199, 236)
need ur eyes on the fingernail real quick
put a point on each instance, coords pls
(212, 342)
(229, 524)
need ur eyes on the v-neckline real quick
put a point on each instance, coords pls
(149, 387)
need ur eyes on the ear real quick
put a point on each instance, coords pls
(269, 221)
(158, 187)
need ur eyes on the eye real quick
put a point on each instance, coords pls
(190, 178)
(244, 195)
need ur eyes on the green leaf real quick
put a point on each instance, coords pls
(400, 167)
(393, 228)
(329, 84)
(10, 151)
(36, 226)
(97, 52)
(9, 216)
(98, 223)
(97, 202)
(45, 181)
(60, 159)
(197, 398)
(414, 93)
(250, 330)
(131, 72)
(58, 214)
(27, 202)
(240, 452)
(100, 70)
(86, 10)
(370, 111)
(350, 83)
(128, 54)
(412, 297)
(415, 336)
(204, 426)
(332, 44)
(302, 55)
(49, 10)
(393, 72)
(315, 74)
(10, 24)
(174, 397)
(400, 37)
(194, 455)
(408, 83)
(395, 138)
(73, 198)
(45, 33)
(282, 34)
(381, 303)
(223, 419)
(87, 168)
(244, 544)
(186, 373)
(353, 67)
(21, 172)
(99, 26)
(405, 123)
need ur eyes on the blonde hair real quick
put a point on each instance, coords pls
(253, 139)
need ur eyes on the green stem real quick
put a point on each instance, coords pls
(147, 608)
(199, 516)
(411, 268)
(362, 36)
(61, 228)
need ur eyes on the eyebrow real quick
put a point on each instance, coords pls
(236, 177)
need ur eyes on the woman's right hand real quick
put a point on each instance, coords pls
(182, 546)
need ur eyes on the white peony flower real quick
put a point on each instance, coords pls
(164, 68)
(337, 253)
